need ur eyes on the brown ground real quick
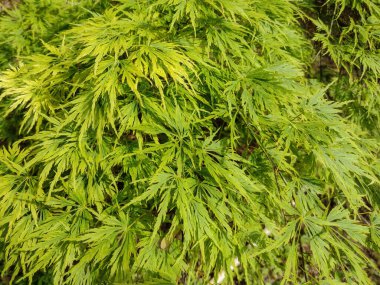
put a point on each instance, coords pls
(8, 4)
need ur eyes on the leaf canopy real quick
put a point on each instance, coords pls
(189, 142)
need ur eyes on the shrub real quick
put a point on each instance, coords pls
(190, 142)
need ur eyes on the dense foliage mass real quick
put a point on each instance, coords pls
(189, 141)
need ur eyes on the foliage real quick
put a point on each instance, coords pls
(159, 142)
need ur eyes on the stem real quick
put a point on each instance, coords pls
(302, 259)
